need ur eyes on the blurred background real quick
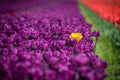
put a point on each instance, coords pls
(104, 15)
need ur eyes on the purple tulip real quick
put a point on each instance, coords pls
(35, 44)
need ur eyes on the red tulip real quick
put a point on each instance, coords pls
(107, 9)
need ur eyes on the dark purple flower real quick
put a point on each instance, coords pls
(96, 33)
(35, 44)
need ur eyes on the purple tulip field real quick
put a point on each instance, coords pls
(35, 44)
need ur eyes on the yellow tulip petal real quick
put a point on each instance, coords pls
(77, 36)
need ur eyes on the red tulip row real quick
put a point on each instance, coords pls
(107, 9)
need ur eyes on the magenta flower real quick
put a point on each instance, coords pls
(35, 45)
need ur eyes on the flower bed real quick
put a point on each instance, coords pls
(107, 9)
(37, 45)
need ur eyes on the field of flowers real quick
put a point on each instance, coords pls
(52, 42)
(107, 9)
(108, 45)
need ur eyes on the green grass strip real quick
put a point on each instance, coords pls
(108, 44)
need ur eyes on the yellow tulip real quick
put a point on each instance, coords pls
(77, 36)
